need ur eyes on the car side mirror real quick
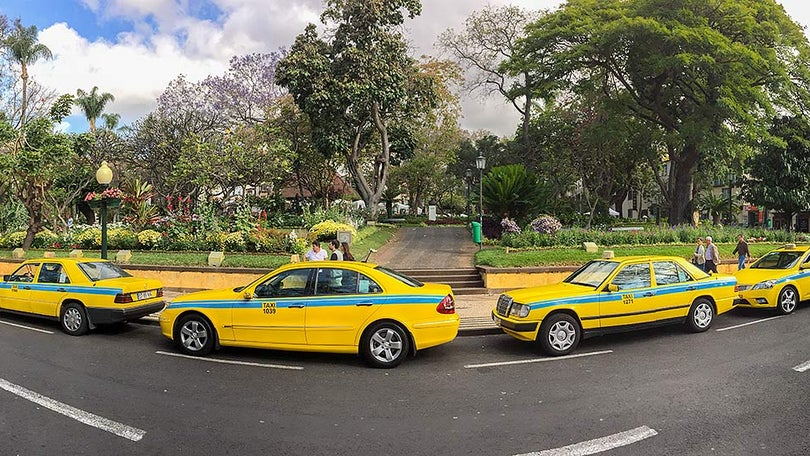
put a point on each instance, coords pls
(612, 288)
(6, 277)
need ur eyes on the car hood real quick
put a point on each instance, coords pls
(547, 292)
(753, 276)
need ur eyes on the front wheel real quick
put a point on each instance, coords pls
(786, 303)
(74, 319)
(194, 335)
(384, 345)
(701, 315)
(559, 334)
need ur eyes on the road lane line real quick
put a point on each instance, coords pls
(227, 361)
(802, 367)
(749, 323)
(599, 445)
(81, 416)
(26, 327)
(537, 360)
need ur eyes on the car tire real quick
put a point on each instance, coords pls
(559, 334)
(195, 335)
(73, 319)
(384, 345)
(701, 316)
(787, 300)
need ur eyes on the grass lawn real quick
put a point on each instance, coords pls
(373, 240)
(497, 256)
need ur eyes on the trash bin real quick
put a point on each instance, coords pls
(476, 232)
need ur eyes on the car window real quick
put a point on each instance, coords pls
(101, 270)
(410, 281)
(366, 285)
(633, 276)
(668, 272)
(331, 281)
(24, 273)
(592, 274)
(294, 283)
(52, 273)
(777, 260)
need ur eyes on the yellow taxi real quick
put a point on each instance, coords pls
(779, 280)
(80, 292)
(613, 295)
(325, 306)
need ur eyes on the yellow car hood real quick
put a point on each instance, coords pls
(753, 276)
(546, 292)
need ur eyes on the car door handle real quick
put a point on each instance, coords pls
(295, 306)
(61, 290)
(691, 288)
(648, 294)
(365, 304)
(26, 287)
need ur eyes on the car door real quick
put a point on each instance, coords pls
(676, 289)
(275, 314)
(344, 300)
(48, 290)
(15, 293)
(635, 300)
(803, 277)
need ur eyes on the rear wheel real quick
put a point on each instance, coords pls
(73, 319)
(384, 345)
(701, 315)
(559, 334)
(786, 303)
(194, 335)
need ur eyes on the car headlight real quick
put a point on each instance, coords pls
(519, 310)
(764, 285)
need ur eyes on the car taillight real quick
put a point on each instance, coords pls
(123, 298)
(160, 293)
(736, 288)
(447, 306)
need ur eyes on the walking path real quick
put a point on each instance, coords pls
(430, 247)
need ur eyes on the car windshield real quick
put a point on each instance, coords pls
(102, 270)
(778, 260)
(592, 274)
(410, 281)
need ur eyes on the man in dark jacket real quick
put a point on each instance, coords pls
(742, 251)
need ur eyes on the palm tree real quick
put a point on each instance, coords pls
(22, 46)
(92, 104)
(111, 121)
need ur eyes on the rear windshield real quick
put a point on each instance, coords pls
(410, 281)
(102, 270)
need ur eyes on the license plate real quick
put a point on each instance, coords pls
(144, 295)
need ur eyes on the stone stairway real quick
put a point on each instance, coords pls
(463, 281)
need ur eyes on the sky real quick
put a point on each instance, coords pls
(134, 48)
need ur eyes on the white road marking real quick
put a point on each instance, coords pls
(227, 361)
(802, 367)
(749, 323)
(599, 445)
(81, 416)
(26, 327)
(537, 360)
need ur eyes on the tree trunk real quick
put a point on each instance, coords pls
(680, 185)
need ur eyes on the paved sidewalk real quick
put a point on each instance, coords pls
(473, 310)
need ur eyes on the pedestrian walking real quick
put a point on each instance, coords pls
(347, 254)
(712, 256)
(316, 253)
(334, 247)
(742, 251)
(699, 257)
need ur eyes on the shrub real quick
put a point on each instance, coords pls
(122, 238)
(545, 224)
(149, 239)
(328, 229)
(44, 239)
(510, 226)
(13, 240)
(235, 242)
(90, 238)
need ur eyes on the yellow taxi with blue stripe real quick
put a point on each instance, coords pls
(81, 293)
(613, 295)
(779, 280)
(325, 306)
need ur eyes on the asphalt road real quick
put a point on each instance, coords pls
(662, 392)
(433, 247)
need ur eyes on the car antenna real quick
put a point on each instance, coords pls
(370, 251)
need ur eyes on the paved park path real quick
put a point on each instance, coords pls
(432, 247)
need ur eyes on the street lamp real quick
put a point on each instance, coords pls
(468, 176)
(104, 176)
(481, 163)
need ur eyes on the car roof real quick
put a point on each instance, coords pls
(793, 248)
